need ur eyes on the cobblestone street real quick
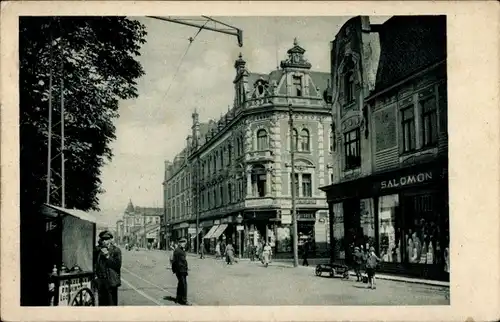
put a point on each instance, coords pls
(147, 280)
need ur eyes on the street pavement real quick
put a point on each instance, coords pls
(148, 280)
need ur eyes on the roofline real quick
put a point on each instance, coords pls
(420, 73)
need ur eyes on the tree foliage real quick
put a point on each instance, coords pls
(95, 58)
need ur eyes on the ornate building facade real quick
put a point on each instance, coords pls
(390, 187)
(140, 225)
(240, 165)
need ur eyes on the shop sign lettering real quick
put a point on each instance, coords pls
(406, 180)
(306, 216)
(306, 201)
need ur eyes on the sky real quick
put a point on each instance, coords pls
(153, 127)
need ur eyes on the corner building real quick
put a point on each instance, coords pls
(241, 163)
(390, 187)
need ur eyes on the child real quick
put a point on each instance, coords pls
(358, 261)
(371, 264)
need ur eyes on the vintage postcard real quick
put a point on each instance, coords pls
(250, 161)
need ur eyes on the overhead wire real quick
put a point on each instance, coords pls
(191, 40)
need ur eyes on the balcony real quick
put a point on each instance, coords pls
(254, 202)
(259, 156)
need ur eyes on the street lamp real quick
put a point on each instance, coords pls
(239, 220)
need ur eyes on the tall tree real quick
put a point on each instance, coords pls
(92, 63)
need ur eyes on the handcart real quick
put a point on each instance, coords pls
(70, 235)
(333, 269)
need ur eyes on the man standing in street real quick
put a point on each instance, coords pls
(180, 269)
(108, 270)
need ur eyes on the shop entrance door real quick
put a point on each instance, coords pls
(352, 228)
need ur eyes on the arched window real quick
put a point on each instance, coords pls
(304, 140)
(262, 142)
(260, 89)
(294, 140)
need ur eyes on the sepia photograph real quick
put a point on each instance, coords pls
(234, 160)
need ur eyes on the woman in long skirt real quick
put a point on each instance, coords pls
(229, 254)
(266, 254)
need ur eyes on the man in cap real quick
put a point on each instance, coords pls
(180, 269)
(108, 267)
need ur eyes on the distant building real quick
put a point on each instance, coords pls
(138, 222)
(240, 164)
(390, 187)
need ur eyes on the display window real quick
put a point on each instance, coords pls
(305, 232)
(338, 231)
(412, 230)
(390, 243)
(423, 232)
(284, 239)
(367, 221)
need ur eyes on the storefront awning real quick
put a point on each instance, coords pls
(219, 231)
(211, 232)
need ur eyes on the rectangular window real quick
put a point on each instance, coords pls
(408, 128)
(306, 185)
(428, 109)
(296, 184)
(352, 149)
(221, 193)
(297, 85)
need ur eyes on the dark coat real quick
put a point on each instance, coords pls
(179, 262)
(109, 269)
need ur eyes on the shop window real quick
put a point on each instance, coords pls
(428, 109)
(367, 221)
(338, 231)
(305, 230)
(262, 141)
(306, 185)
(296, 184)
(423, 232)
(390, 243)
(408, 129)
(352, 149)
(297, 85)
(304, 140)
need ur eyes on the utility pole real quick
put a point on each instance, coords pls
(294, 211)
(49, 150)
(63, 189)
(197, 204)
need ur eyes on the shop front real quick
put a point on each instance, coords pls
(262, 225)
(403, 214)
(180, 231)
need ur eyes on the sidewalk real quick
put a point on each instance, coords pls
(278, 263)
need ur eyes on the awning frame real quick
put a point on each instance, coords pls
(216, 234)
(211, 232)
